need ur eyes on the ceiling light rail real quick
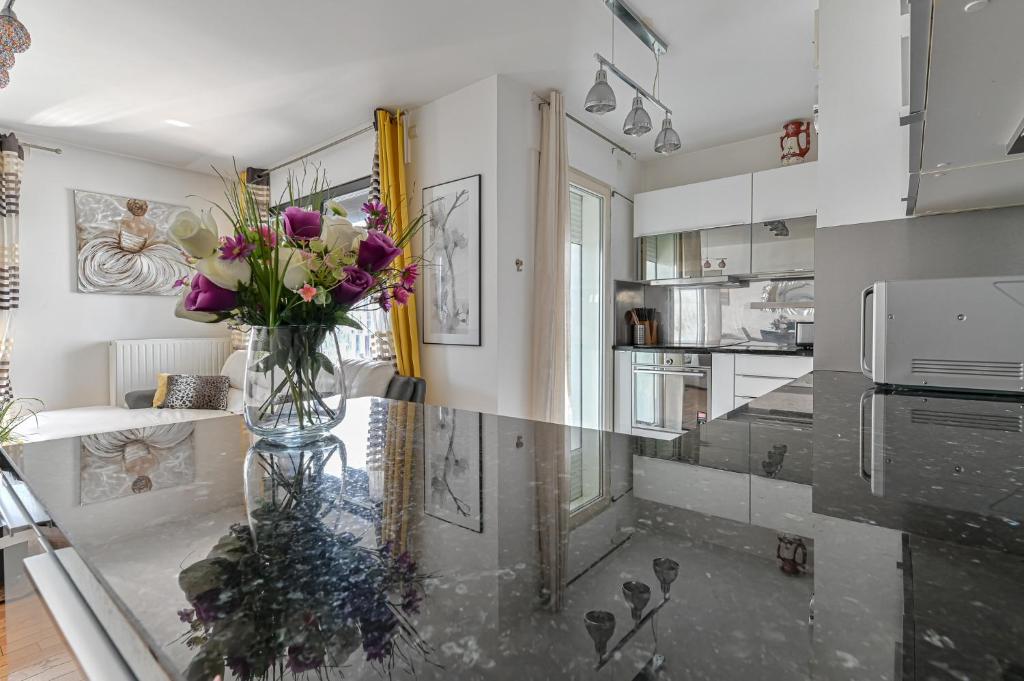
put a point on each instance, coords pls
(632, 83)
(631, 20)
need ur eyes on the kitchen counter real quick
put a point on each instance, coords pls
(744, 347)
(828, 530)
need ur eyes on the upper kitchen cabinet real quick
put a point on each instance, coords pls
(965, 85)
(787, 192)
(782, 246)
(715, 203)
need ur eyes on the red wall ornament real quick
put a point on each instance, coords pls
(795, 142)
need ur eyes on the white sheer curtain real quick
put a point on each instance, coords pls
(551, 275)
(549, 352)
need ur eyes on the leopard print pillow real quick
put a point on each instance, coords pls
(185, 391)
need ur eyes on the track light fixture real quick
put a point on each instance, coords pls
(601, 98)
(638, 122)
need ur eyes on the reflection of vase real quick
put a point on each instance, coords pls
(294, 383)
(280, 478)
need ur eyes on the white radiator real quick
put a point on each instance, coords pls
(134, 364)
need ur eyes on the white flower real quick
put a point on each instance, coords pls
(193, 235)
(180, 311)
(229, 274)
(334, 207)
(292, 267)
(338, 232)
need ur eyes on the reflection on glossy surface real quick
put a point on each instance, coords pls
(288, 590)
(915, 582)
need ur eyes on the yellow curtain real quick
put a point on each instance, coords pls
(391, 151)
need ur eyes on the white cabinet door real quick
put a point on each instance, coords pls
(623, 390)
(722, 372)
(787, 192)
(715, 203)
(780, 366)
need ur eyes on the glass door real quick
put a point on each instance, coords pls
(589, 203)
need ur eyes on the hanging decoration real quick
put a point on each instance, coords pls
(14, 39)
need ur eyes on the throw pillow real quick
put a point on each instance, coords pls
(139, 399)
(161, 390)
(185, 391)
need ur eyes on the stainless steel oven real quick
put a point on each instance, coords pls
(671, 390)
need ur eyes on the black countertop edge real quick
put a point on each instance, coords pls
(792, 350)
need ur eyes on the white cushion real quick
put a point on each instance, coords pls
(234, 369)
(367, 378)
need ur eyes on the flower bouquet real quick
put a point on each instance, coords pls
(293, 278)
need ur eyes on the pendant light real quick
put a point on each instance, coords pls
(601, 98)
(668, 139)
(14, 38)
(638, 122)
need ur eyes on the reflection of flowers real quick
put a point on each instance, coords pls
(287, 591)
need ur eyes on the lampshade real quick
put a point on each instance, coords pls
(6, 58)
(668, 139)
(14, 37)
(600, 625)
(638, 121)
(601, 98)
(5, 78)
(666, 570)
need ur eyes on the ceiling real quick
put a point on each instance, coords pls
(262, 81)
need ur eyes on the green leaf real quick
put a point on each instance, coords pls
(343, 319)
(325, 363)
(200, 577)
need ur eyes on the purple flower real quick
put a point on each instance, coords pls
(303, 659)
(409, 276)
(384, 301)
(376, 213)
(302, 225)
(401, 295)
(186, 615)
(205, 296)
(376, 251)
(356, 283)
(236, 248)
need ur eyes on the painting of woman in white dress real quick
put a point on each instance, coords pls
(124, 247)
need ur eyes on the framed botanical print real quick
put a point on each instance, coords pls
(450, 289)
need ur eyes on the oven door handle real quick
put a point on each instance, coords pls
(670, 372)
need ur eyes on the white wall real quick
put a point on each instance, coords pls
(60, 352)
(450, 138)
(862, 165)
(726, 160)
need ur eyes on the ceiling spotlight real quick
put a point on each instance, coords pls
(638, 121)
(668, 139)
(178, 124)
(601, 98)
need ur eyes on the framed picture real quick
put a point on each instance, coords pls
(124, 246)
(450, 288)
(452, 470)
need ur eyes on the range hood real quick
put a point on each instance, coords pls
(720, 281)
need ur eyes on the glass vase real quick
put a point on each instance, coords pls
(294, 388)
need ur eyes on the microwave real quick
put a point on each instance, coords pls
(956, 334)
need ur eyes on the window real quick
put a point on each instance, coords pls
(587, 353)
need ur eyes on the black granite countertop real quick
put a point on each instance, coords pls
(828, 530)
(744, 347)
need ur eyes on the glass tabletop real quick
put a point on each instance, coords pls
(426, 542)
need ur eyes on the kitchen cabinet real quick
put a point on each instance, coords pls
(715, 203)
(623, 392)
(727, 249)
(782, 246)
(723, 366)
(786, 192)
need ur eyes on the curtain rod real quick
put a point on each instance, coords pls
(52, 150)
(336, 142)
(590, 129)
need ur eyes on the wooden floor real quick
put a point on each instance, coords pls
(32, 649)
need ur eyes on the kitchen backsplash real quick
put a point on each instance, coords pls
(710, 315)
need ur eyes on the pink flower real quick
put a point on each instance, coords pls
(268, 236)
(307, 292)
(376, 214)
(410, 275)
(385, 300)
(401, 295)
(236, 248)
(180, 282)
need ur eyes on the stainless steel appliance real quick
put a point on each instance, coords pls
(961, 334)
(805, 334)
(671, 390)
